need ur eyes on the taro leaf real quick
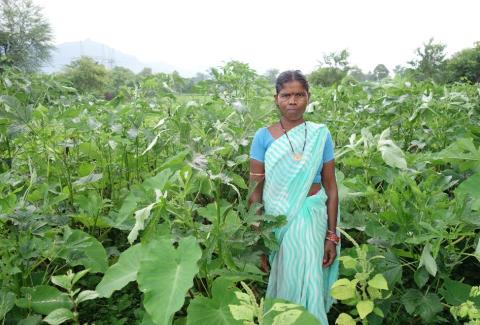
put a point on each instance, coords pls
(427, 260)
(79, 248)
(58, 316)
(215, 311)
(45, 299)
(121, 273)
(470, 187)
(165, 275)
(7, 300)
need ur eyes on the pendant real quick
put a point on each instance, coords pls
(297, 157)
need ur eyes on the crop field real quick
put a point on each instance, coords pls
(134, 210)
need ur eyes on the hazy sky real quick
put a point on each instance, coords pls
(197, 34)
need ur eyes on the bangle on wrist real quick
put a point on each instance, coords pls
(332, 236)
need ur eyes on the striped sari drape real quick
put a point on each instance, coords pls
(296, 272)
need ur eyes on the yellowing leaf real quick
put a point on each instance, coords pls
(364, 308)
(379, 282)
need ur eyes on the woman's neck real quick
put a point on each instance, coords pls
(288, 124)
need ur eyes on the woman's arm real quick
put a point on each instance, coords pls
(330, 185)
(257, 176)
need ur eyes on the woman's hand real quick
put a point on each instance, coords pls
(329, 253)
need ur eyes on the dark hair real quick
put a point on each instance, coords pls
(288, 76)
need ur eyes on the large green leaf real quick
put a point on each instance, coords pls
(214, 311)
(470, 187)
(427, 306)
(391, 153)
(79, 248)
(122, 272)
(45, 299)
(427, 260)
(165, 275)
(7, 300)
(58, 316)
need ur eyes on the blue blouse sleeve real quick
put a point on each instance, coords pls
(328, 150)
(328, 155)
(257, 149)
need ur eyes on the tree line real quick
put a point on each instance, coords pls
(26, 43)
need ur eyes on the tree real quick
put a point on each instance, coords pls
(119, 77)
(87, 75)
(25, 35)
(357, 73)
(399, 70)
(429, 61)
(336, 69)
(146, 72)
(337, 60)
(465, 65)
(380, 72)
(271, 75)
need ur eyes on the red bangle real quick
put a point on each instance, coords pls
(331, 236)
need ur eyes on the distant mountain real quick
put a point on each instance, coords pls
(110, 57)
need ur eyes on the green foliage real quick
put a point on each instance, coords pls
(25, 35)
(82, 178)
(165, 275)
(332, 70)
(67, 282)
(248, 311)
(86, 75)
(429, 62)
(364, 290)
(380, 72)
(464, 66)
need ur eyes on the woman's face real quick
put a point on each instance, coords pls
(292, 100)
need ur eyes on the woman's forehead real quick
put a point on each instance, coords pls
(293, 86)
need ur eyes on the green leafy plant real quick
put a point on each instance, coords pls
(75, 295)
(363, 290)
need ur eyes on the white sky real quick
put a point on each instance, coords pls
(197, 34)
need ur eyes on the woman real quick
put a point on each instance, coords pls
(290, 161)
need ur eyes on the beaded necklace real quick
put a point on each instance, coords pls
(296, 155)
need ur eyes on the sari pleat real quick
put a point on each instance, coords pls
(296, 272)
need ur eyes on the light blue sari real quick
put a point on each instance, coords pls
(296, 272)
